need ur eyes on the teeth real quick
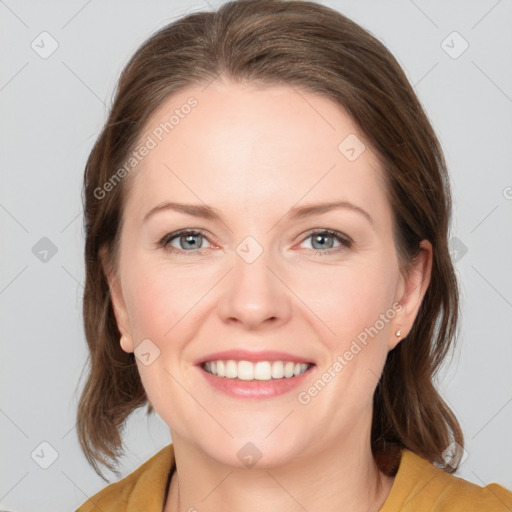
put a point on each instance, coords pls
(262, 370)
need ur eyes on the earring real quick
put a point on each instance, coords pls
(398, 333)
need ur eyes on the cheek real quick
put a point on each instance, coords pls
(159, 298)
(150, 310)
(357, 305)
(160, 309)
(347, 299)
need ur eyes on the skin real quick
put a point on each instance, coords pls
(254, 153)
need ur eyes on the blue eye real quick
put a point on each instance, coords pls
(191, 241)
(321, 246)
(186, 240)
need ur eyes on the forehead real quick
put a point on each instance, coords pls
(237, 146)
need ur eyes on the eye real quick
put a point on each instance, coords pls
(323, 241)
(186, 240)
(191, 241)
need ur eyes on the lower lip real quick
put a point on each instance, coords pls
(256, 389)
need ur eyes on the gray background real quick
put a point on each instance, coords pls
(52, 110)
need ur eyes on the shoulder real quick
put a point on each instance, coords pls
(419, 485)
(146, 486)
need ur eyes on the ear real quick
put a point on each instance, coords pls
(118, 304)
(411, 291)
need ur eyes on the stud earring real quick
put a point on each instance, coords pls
(398, 333)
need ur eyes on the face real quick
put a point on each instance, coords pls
(324, 287)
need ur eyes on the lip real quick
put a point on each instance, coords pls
(257, 389)
(247, 355)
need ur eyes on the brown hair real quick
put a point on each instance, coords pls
(316, 49)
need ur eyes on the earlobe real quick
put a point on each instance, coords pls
(126, 344)
(394, 342)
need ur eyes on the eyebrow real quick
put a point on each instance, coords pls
(299, 212)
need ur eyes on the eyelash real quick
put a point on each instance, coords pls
(346, 242)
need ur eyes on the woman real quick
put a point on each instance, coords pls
(267, 213)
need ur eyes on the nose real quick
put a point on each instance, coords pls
(255, 296)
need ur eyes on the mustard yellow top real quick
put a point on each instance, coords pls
(419, 486)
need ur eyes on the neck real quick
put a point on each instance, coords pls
(339, 478)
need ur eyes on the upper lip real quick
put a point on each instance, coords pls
(246, 355)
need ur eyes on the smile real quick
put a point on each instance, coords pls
(260, 370)
(255, 380)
